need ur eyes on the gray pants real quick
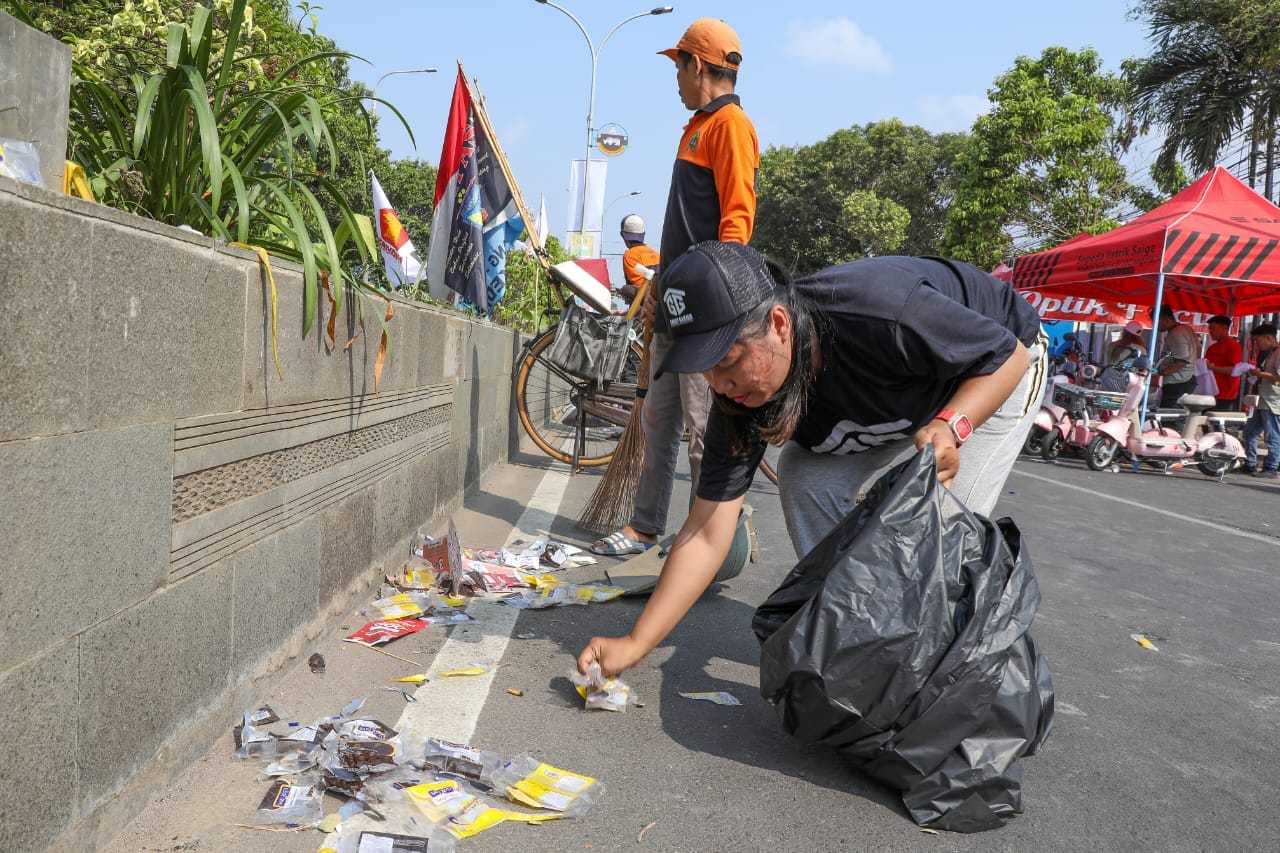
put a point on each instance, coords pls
(674, 402)
(818, 490)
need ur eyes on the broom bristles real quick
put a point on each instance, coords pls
(611, 504)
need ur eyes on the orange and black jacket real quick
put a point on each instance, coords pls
(713, 184)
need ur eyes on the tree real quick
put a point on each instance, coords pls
(1213, 77)
(1043, 165)
(864, 190)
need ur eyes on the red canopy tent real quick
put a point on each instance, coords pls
(1209, 249)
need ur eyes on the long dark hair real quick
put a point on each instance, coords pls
(776, 421)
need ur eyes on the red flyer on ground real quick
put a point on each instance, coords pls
(384, 631)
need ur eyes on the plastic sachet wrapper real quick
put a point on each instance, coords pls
(361, 746)
(446, 758)
(286, 802)
(450, 806)
(608, 694)
(532, 783)
(523, 555)
(386, 842)
(552, 596)
(401, 605)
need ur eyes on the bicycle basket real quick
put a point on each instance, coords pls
(590, 346)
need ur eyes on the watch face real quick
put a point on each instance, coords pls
(963, 428)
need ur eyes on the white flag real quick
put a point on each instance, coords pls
(398, 253)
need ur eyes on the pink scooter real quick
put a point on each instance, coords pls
(1074, 425)
(1214, 451)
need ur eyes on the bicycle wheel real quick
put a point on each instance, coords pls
(548, 401)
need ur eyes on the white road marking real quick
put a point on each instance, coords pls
(1244, 534)
(450, 707)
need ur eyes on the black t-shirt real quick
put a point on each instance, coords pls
(898, 336)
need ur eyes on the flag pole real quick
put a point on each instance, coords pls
(482, 115)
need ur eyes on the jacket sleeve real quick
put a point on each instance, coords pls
(734, 161)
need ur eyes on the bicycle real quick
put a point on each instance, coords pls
(557, 408)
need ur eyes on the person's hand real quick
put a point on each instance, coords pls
(945, 452)
(614, 654)
(649, 309)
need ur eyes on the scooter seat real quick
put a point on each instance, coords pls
(1197, 400)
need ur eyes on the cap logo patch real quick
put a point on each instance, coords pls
(677, 311)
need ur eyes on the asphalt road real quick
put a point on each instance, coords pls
(1167, 750)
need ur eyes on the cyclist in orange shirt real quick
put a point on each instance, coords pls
(638, 255)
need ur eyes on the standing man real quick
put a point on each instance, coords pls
(1178, 365)
(638, 257)
(712, 197)
(1265, 420)
(1223, 355)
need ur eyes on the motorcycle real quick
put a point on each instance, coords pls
(1213, 451)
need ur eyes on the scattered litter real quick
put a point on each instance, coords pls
(647, 827)
(927, 831)
(316, 662)
(414, 679)
(563, 594)
(719, 697)
(515, 691)
(330, 823)
(288, 803)
(384, 631)
(609, 694)
(474, 669)
(390, 655)
(527, 635)
(1145, 642)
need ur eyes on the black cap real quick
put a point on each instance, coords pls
(706, 295)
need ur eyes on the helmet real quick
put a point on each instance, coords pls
(633, 228)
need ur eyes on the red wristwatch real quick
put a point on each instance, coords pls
(960, 425)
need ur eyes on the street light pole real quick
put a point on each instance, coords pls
(400, 71)
(591, 100)
(618, 199)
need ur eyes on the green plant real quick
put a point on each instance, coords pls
(529, 291)
(196, 146)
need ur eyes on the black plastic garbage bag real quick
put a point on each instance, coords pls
(901, 640)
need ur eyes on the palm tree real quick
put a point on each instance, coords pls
(1206, 83)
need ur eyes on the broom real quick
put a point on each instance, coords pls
(611, 504)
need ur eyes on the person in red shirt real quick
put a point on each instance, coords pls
(1224, 354)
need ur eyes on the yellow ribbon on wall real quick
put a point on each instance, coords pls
(265, 261)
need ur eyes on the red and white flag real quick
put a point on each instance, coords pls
(398, 253)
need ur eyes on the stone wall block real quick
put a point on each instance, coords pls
(38, 731)
(276, 591)
(346, 542)
(166, 329)
(85, 532)
(45, 293)
(147, 670)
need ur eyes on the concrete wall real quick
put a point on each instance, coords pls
(176, 520)
(35, 88)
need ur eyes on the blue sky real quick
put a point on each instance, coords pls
(809, 68)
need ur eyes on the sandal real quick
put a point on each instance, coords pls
(619, 544)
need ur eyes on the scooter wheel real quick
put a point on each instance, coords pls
(1035, 441)
(1215, 466)
(1051, 446)
(1101, 453)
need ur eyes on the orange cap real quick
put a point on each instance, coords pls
(712, 40)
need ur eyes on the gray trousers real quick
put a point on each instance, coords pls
(818, 490)
(674, 402)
